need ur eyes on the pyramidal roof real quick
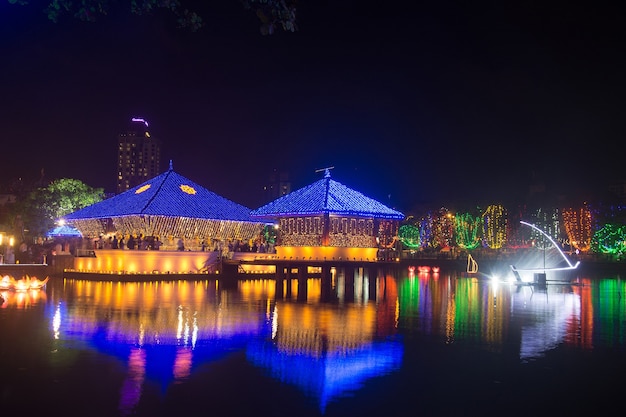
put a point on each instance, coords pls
(326, 196)
(168, 194)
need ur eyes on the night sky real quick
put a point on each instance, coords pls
(454, 101)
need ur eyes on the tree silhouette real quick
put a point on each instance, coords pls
(273, 14)
(43, 206)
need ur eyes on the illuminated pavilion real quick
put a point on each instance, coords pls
(170, 207)
(328, 221)
(325, 221)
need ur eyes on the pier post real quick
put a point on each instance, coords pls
(302, 284)
(349, 283)
(327, 283)
(371, 277)
(279, 286)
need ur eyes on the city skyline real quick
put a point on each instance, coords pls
(445, 102)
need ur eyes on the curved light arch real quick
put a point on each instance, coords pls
(544, 269)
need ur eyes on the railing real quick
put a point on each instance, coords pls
(85, 253)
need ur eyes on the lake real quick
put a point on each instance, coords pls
(387, 342)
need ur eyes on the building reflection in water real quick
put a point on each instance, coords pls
(160, 329)
(496, 316)
(326, 335)
(165, 330)
(328, 351)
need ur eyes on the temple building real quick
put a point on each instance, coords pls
(321, 224)
(328, 221)
(170, 207)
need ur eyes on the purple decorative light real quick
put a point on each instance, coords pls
(139, 119)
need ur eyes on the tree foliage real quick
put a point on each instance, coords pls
(409, 235)
(467, 230)
(494, 226)
(43, 206)
(273, 14)
(610, 239)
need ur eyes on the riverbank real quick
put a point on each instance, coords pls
(55, 267)
(62, 266)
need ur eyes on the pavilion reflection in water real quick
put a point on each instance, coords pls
(165, 330)
(326, 346)
(326, 351)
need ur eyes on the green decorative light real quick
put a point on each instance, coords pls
(609, 239)
(467, 230)
(409, 235)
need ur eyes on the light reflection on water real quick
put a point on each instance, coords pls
(328, 340)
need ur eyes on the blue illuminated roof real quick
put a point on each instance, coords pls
(326, 196)
(168, 194)
(64, 231)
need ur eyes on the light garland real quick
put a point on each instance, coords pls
(343, 232)
(577, 224)
(494, 226)
(426, 230)
(170, 227)
(610, 239)
(326, 197)
(548, 222)
(443, 228)
(467, 231)
(409, 235)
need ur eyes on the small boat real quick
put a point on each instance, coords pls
(37, 283)
(539, 272)
(23, 284)
(435, 269)
(7, 282)
(472, 265)
(424, 269)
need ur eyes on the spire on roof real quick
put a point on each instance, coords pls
(171, 166)
(326, 171)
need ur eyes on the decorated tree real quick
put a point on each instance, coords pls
(467, 230)
(426, 226)
(443, 228)
(409, 235)
(610, 239)
(494, 226)
(577, 224)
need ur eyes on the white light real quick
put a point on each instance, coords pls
(570, 266)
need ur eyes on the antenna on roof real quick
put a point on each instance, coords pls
(326, 171)
(171, 166)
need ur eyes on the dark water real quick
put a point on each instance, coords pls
(384, 343)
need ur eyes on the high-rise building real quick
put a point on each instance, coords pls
(138, 155)
(278, 185)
